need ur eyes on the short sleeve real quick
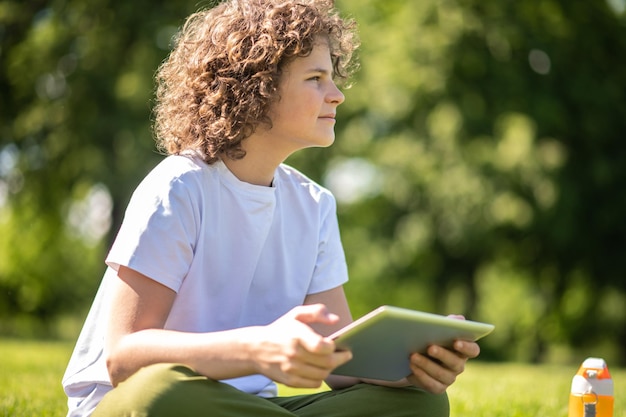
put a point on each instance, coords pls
(331, 269)
(158, 235)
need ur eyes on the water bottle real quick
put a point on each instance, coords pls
(592, 390)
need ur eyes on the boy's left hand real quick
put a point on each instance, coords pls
(438, 368)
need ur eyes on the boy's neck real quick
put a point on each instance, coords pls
(262, 158)
(251, 171)
(259, 164)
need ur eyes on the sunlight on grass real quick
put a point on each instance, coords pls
(31, 371)
(511, 390)
(30, 378)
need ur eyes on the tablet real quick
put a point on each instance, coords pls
(382, 340)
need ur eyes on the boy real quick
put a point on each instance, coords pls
(227, 272)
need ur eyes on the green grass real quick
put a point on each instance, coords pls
(30, 378)
(31, 371)
(520, 390)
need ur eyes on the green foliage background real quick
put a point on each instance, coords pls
(479, 162)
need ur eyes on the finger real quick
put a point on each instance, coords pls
(311, 368)
(301, 375)
(331, 361)
(314, 313)
(311, 340)
(448, 359)
(325, 362)
(438, 371)
(467, 349)
(297, 381)
(314, 343)
(422, 379)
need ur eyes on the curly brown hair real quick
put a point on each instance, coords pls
(220, 79)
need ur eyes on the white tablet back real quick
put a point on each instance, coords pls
(382, 341)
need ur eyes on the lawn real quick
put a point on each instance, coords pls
(31, 371)
(30, 378)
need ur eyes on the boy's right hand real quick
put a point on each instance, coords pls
(289, 352)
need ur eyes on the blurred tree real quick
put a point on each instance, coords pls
(76, 82)
(495, 133)
(478, 162)
(557, 66)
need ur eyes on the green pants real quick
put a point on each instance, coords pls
(170, 390)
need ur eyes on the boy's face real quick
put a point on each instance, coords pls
(304, 116)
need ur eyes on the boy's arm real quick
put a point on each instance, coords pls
(287, 351)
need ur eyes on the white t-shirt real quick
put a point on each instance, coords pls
(236, 254)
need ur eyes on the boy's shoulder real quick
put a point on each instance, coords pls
(174, 172)
(291, 176)
(180, 163)
(287, 173)
(176, 167)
